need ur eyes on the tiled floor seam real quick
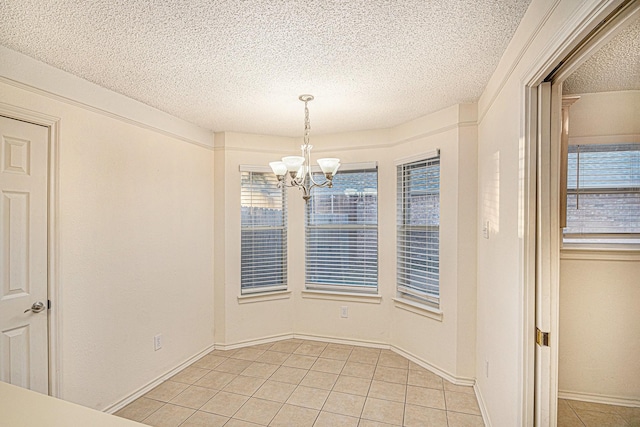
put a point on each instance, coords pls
(576, 414)
(163, 405)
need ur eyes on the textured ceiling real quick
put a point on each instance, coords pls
(239, 65)
(615, 67)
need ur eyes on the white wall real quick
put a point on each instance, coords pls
(447, 345)
(599, 291)
(504, 307)
(135, 211)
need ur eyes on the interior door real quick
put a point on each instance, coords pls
(547, 255)
(23, 254)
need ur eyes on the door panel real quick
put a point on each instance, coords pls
(15, 342)
(23, 254)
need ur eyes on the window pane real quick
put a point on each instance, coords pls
(342, 232)
(603, 193)
(346, 256)
(262, 258)
(419, 230)
(264, 233)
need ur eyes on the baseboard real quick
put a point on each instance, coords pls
(599, 398)
(248, 343)
(482, 405)
(145, 389)
(468, 382)
(336, 340)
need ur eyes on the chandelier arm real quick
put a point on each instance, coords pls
(292, 183)
(307, 154)
(310, 172)
(318, 184)
(306, 192)
(307, 148)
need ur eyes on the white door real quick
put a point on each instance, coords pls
(547, 255)
(23, 254)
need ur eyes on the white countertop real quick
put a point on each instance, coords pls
(24, 408)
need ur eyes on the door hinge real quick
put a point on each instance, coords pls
(542, 338)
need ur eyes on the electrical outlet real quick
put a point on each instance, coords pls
(344, 311)
(157, 342)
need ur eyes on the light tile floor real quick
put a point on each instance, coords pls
(305, 383)
(575, 413)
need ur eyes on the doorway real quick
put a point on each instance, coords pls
(599, 379)
(553, 261)
(29, 323)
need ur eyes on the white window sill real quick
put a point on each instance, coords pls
(417, 308)
(342, 296)
(263, 296)
(601, 253)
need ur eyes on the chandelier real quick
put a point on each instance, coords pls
(299, 167)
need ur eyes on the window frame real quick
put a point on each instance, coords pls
(342, 288)
(246, 291)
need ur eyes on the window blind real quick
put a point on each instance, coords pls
(342, 233)
(603, 193)
(418, 260)
(263, 233)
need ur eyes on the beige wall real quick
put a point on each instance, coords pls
(605, 118)
(162, 278)
(447, 345)
(599, 328)
(504, 340)
(135, 226)
(599, 291)
(238, 322)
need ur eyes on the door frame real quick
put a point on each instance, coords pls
(54, 318)
(572, 46)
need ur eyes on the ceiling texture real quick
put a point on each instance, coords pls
(614, 67)
(239, 65)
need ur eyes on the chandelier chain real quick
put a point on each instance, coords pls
(307, 123)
